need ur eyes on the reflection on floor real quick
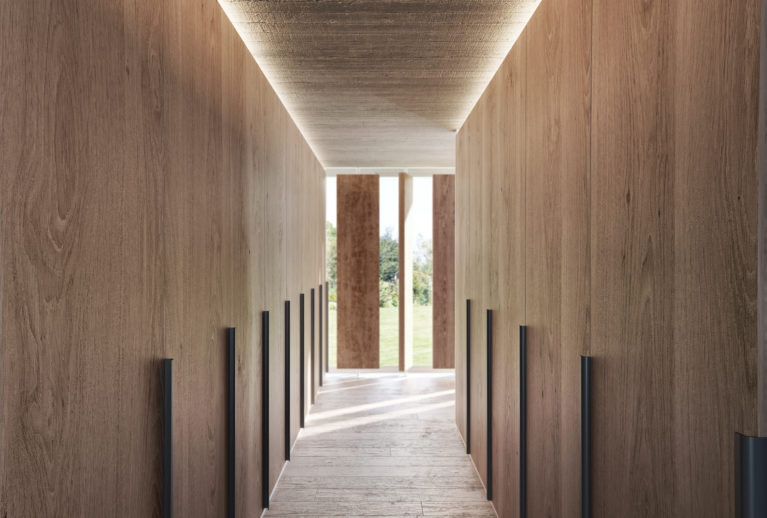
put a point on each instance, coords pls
(381, 444)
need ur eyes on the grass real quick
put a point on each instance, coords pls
(389, 336)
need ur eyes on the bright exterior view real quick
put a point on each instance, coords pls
(388, 292)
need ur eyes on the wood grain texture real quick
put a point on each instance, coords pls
(557, 249)
(405, 271)
(495, 147)
(196, 273)
(509, 232)
(461, 253)
(358, 271)
(761, 224)
(687, 265)
(135, 225)
(645, 258)
(80, 201)
(715, 247)
(443, 234)
(475, 289)
(632, 262)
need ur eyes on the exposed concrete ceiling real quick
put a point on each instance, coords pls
(380, 83)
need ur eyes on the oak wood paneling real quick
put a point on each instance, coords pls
(557, 249)
(475, 287)
(509, 231)
(461, 261)
(632, 262)
(443, 234)
(645, 259)
(60, 363)
(275, 148)
(688, 288)
(197, 274)
(762, 225)
(141, 213)
(715, 247)
(357, 243)
(242, 84)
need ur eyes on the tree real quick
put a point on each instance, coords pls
(388, 264)
(331, 256)
(422, 272)
(388, 252)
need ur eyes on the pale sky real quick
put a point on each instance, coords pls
(389, 204)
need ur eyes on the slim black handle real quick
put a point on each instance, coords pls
(287, 380)
(468, 376)
(523, 421)
(585, 437)
(489, 324)
(311, 344)
(327, 326)
(302, 358)
(265, 409)
(167, 438)
(231, 426)
(750, 476)
(320, 334)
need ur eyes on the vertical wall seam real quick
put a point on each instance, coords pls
(762, 228)
(590, 168)
(524, 194)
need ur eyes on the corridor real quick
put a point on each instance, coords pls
(295, 257)
(381, 444)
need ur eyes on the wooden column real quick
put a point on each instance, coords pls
(443, 233)
(357, 243)
(405, 272)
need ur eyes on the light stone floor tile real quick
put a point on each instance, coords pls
(381, 444)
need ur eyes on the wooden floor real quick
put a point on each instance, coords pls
(381, 444)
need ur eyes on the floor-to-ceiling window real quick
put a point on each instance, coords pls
(388, 288)
(331, 264)
(420, 217)
(422, 271)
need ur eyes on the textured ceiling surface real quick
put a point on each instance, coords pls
(377, 83)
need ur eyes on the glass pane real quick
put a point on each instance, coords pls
(422, 271)
(388, 272)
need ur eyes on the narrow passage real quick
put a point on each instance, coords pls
(381, 445)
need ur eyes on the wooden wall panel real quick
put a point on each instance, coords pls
(295, 211)
(142, 211)
(632, 262)
(461, 264)
(762, 225)
(243, 129)
(197, 276)
(556, 249)
(509, 231)
(80, 201)
(443, 233)
(715, 248)
(358, 317)
(275, 147)
(644, 258)
(474, 287)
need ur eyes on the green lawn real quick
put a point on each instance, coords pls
(390, 336)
